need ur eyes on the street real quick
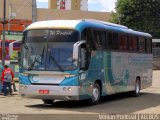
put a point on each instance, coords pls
(147, 102)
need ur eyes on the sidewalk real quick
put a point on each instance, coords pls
(13, 92)
(156, 78)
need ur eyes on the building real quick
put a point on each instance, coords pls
(68, 4)
(156, 53)
(19, 14)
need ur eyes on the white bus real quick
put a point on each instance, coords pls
(83, 59)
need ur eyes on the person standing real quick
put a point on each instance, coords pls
(7, 79)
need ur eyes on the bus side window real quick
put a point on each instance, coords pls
(112, 38)
(123, 42)
(99, 39)
(115, 40)
(109, 38)
(141, 44)
(149, 45)
(132, 43)
(87, 35)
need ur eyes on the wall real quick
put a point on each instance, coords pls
(22, 9)
(49, 14)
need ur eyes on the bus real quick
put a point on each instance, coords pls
(83, 59)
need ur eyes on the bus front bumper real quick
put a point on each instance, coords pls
(49, 92)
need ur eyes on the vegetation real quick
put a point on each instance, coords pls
(141, 15)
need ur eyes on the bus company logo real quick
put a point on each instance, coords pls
(35, 79)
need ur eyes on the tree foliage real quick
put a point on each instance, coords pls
(141, 15)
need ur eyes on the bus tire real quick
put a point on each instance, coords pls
(136, 91)
(47, 101)
(95, 94)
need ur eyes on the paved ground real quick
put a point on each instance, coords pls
(148, 102)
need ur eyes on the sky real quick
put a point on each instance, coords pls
(93, 5)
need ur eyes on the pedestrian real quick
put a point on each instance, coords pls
(7, 79)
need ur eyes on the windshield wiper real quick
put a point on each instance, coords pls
(25, 46)
(54, 60)
(35, 61)
(24, 42)
(42, 54)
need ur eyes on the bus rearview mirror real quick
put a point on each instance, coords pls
(76, 51)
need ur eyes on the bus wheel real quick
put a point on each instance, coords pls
(95, 94)
(136, 92)
(46, 101)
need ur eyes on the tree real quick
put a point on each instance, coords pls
(141, 15)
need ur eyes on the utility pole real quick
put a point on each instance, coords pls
(3, 41)
(34, 11)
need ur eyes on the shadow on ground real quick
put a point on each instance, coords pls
(119, 103)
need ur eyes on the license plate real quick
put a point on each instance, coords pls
(43, 91)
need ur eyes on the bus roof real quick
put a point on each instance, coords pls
(65, 24)
(82, 24)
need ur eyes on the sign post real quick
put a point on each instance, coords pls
(3, 41)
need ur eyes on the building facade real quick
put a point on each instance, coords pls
(68, 4)
(19, 13)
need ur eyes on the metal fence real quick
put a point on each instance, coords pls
(156, 52)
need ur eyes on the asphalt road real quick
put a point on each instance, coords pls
(148, 102)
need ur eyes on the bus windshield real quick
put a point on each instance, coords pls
(49, 49)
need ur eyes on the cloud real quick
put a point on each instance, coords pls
(92, 1)
(42, 0)
(108, 4)
(96, 5)
(104, 5)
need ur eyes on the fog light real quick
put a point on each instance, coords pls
(64, 88)
(24, 87)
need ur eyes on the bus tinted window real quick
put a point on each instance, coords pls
(99, 39)
(112, 38)
(141, 44)
(123, 42)
(37, 36)
(149, 45)
(87, 35)
(63, 35)
(132, 43)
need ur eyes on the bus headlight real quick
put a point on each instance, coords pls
(69, 89)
